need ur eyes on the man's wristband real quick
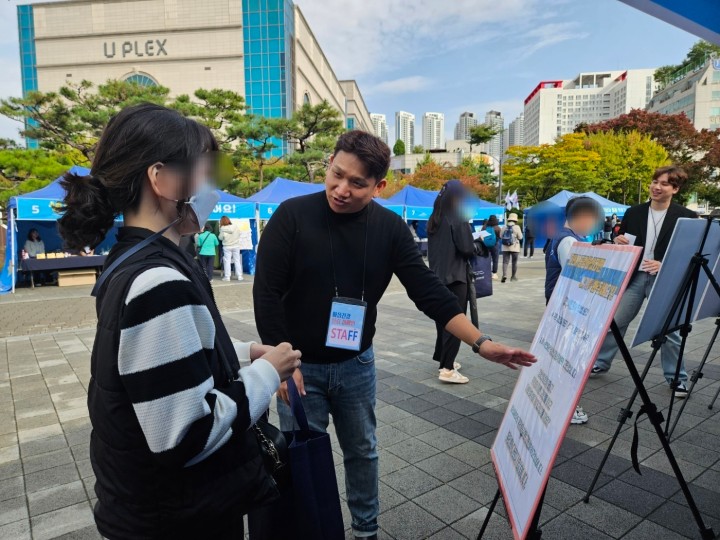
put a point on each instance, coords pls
(482, 339)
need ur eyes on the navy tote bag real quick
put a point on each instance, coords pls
(310, 507)
(481, 269)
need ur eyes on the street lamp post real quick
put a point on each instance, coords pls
(500, 174)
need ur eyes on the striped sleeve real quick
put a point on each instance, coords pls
(167, 335)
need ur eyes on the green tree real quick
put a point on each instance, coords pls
(257, 137)
(481, 134)
(538, 172)
(418, 149)
(75, 115)
(312, 132)
(399, 148)
(697, 55)
(220, 110)
(23, 171)
(628, 160)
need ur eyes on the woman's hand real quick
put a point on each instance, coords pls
(502, 354)
(257, 350)
(284, 359)
(621, 239)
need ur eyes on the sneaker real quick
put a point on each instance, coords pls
(681, 392)
(240, 278)
(495, 276)
(579, 416)
(456, 365)
(452, 376)
(226, 279)
(513, 278)
(503, 280)
(597, 370)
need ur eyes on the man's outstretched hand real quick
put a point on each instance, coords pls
(508, 356)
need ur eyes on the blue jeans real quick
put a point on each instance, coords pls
(630, 303)
(347, 391)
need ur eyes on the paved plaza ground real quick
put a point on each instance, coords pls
(436, 476)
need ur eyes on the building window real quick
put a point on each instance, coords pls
(351, 123)
(141, 79)
(306, 98)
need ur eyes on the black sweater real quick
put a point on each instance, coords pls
(294, 281)
(449, 249)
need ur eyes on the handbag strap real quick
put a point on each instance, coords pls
(297, 407)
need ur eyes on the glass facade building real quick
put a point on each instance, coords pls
(268, 44)
(28, 62)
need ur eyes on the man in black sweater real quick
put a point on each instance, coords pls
(649, 225)
(324, 262)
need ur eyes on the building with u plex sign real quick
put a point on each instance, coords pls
(262, 49)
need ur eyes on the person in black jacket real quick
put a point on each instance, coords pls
(450, 246)
(651, 224)
(171, 410)
(323, 264)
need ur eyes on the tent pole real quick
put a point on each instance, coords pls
(13, 253)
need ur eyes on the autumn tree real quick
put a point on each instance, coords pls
(432, 176)
(539, 172)
(627, 162)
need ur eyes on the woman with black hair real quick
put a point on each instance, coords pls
(493, 225)
(171, 410)
(450, 247)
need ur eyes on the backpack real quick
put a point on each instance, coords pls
(508, 237)
(491, 239)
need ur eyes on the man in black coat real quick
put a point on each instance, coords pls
(649, 225)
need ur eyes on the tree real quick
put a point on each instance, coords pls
(627, 163)
(399, 148)
(418, 149)
(431, 175)
(75, 115)
(23, 171)
(313, 130)
(481, 134)
(698, 54)
(220, 110)
(257, 137)
(538, 172)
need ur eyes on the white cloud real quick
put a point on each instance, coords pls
(402, 85)
(374, 37)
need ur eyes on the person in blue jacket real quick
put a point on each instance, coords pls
(583, 217)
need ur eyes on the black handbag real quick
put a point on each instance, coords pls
(274, 450)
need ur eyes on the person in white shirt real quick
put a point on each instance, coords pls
(230, 236)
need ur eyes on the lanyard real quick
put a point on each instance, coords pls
(655, 227)
(332, 252)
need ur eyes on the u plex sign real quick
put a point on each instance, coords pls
(135, 49)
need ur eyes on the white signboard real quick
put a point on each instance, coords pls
(684, 243)
(566, 345)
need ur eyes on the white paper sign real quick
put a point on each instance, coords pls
(566, 345)
(630, 238)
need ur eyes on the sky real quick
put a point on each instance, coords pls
(453, 56)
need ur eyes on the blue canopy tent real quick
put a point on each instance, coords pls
(418, 204)
(40, 210)
(549, 215)
(278, 191)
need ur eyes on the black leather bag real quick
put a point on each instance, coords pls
(274, 449)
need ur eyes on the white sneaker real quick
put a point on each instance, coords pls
(226, 279)
(495, 276)
(240, 278)
(456, 365)
(579, 416)
(452, 376)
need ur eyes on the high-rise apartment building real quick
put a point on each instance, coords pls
(433, 129)
(465, 123)
(555, 108)
(494, 119)
(405, 129)
(380, 127)
(516, 132)
(696, 92)
(265, 51)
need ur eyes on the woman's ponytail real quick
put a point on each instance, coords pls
(88, 212)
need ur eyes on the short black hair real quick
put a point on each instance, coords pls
(369, 149)
(583, 204)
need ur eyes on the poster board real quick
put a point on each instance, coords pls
(566, 345)
(684, 243)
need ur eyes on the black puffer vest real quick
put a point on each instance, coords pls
(137, 497)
